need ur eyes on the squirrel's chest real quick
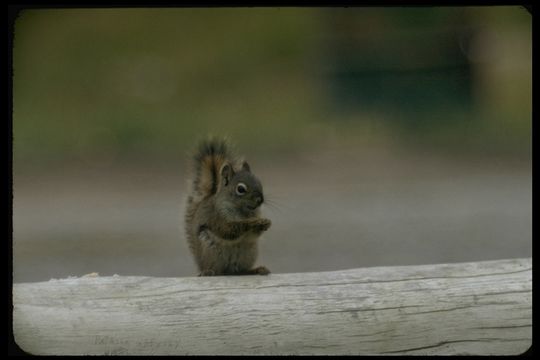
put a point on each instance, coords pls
(229, 255)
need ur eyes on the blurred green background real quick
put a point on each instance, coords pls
(127, 83)
(103, 94)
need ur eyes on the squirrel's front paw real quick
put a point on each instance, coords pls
(262, 225)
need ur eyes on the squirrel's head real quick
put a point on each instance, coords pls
(242, 189)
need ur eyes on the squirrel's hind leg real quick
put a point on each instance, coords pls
(209, 272)
(259, 270)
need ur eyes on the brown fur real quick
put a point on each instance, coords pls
(223, 227)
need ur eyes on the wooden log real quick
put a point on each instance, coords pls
(470, 308)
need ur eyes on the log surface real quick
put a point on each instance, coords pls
(469, 308)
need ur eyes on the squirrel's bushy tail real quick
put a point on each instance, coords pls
(210, 156)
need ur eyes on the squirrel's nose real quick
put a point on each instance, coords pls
(259, 199)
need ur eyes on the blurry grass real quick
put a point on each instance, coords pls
(119, 87)
(147, 83)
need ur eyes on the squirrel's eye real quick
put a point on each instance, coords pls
(241, 189)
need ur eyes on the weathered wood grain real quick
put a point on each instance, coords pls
(470, 308)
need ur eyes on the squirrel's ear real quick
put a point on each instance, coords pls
(226, 173)
(245, 166)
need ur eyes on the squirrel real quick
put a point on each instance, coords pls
(223, 221)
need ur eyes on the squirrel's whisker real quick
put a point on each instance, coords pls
(273, 203)
(272, 207)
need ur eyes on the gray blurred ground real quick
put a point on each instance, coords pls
(331, 210)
